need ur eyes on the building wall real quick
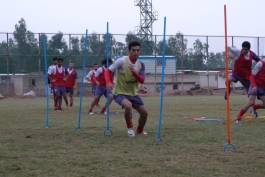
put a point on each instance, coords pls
(151, 68)
(212, 82)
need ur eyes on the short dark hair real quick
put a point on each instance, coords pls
(104, 62)
(60, 59)
(55, 59)
(246, 44)
(95, 64)
(133, 44)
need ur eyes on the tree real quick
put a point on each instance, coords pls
(198, 54)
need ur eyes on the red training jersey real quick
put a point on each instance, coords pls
(243, 67)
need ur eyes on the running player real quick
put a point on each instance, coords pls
(58, 79)
(70, 85)
(130, 72)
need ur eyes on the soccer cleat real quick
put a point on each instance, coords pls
(143, 133)
(59, 109)
(238, 121)
(66, 106)
(130, 132)
(70, 107)
(55, 108)
(105, 112)
(254, 112)
(90, 112)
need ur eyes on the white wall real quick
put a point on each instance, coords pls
(204, 81)
(150, 67)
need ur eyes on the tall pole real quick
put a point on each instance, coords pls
(7, 64)
(155, 64)
(182, 53)
(39, 65)
(207, 56)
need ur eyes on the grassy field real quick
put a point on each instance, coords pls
(189, 148)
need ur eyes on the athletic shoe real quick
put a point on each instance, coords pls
(55, 108)
(59, 109)
(254, 112)
(105, 112)
(238, 121)
(90, 112)
(70, 107)
(130, 132)
(66, 106)
(143, 133)
(225, 96)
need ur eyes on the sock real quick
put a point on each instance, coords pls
(129, 125)
(66, 102)
(241, 113)
(55, 105)
(90, 110)
(59, 107)
(139, 129)
(71, 104)
(256, 106)
(103, 109)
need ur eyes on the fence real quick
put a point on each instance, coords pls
(23, 53)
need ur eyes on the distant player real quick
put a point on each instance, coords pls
(130, 72)
(257, 88)
(242, 66)
(94, 85)
(70, 85)
(101, 89)
(55, 61)
(58, 79)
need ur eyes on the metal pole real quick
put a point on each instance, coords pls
(258, 46)
(233, 63)
(69, 50)
(182, 52)
(155, 65)
(207, 55)
(98, 60)
(7, 64)
(39, 64)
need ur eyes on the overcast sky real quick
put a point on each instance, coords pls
(191, 17)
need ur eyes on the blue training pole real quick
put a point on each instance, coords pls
(107, 57)
(162, 84)
(47, 89)
(82, 85)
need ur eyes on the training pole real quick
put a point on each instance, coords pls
(82, 86)
(107, 131)
(46, 80)
(162, 84)
(227, 89)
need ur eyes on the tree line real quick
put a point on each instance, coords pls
(24, 51)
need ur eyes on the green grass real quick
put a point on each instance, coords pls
(189, 148)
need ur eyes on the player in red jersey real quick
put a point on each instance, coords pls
(257, 88)
(70, 85)
(101, 89)
(60, 75)
(55, 61)
(94, 85)
(243, 65)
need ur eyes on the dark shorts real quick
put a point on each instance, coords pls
(135, 100)
(101, 90)
(260, 91)
(244, 82)
(94, 87)
(52, 91)
(59, 89)
(69, 90)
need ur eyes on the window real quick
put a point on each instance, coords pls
(175, 87)
(32, 82)
(160, 62)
